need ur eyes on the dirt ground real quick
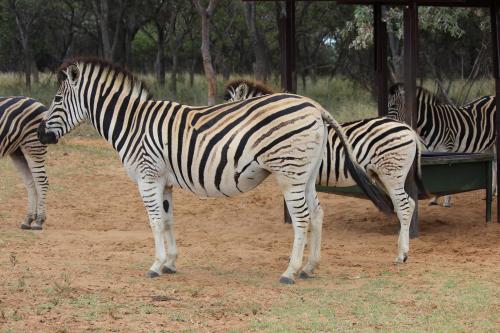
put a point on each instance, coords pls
(86, 270)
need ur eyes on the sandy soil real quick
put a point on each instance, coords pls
(85, 271)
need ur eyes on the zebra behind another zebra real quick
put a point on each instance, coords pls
(385, 148)
(19, 120)
(448, 128)
(217, 151)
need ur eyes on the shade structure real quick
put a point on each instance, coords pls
(287, 43)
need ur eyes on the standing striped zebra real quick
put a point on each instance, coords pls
(449, 128)
(385, 148)
(215, 151)
(19, 120)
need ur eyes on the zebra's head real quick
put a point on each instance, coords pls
(396, 102)
(242, 89)
(67, 109)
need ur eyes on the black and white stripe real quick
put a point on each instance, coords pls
(384, 147)
(215, 151)
(19, 120)
(448, 128)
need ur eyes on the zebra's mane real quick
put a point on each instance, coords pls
(421, 93)
(252, 85)
(97, 62)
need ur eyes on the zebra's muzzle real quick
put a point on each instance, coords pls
(44, 136)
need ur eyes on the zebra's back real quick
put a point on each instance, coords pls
(19, 120)
(466, 129)
(372, 141)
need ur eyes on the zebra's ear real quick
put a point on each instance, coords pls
(241, 92)
(73, 74)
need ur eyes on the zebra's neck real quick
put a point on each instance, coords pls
(125, 123)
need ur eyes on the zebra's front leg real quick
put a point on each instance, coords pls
(169, 267)
(22, 166)
(152, 195)
(35, 157)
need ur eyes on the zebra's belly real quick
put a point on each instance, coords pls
(230, 184)
(342, 181)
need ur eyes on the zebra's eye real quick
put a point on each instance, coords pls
(57, 99)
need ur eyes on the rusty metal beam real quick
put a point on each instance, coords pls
(438, 3)
(288, 65)
(495, 35)
(410, 18)
(380, 49)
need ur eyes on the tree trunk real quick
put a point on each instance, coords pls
(191, 72)
(395, 59)
(35, 72)
(27, 68)
(173, 77)
(205, 48)
(160, 56)
(258, 43)
(103, 11)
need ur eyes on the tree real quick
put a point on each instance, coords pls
(442, 31)
(258, 42)
(26, 15)
(206, 14)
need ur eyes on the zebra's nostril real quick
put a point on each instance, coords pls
(44, 136)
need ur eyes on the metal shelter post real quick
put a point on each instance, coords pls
(288, 69)
(380, 41)
(495, 34)
(410, 78)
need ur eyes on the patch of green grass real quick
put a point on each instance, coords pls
(92, 307)
(145, 308)
(384, 304)
(177, 316)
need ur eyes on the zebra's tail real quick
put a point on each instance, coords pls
(418, 176)
(373, 192)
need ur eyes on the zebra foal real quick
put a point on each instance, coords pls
(19, 120)
(216, 151)
(385, 148)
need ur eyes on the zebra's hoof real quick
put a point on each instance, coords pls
(152, 274)
(286, 280)
(167, 270)
(400, 260)
(25, 226)
(446, 205)
(303, 275)
(36, 227)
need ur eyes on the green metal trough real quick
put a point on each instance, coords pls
(445, 173)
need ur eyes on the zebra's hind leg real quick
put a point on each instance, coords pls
(22, 167)
(434, 201)
(447, 201)
(152, 195)
(169, 267)
(295, 199)
(404, 206)
(35, 156)
(316, 213)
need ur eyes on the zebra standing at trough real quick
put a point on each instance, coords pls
(215, 151)
(19, 120)
(385, 148)
(448, 128)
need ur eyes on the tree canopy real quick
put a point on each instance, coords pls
(165, 37)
